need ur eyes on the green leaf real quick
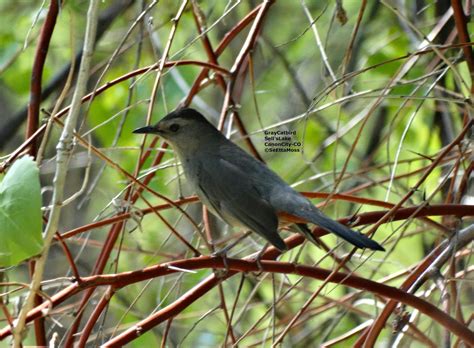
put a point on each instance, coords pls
(20, 213)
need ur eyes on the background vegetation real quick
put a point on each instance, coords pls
(379, 94)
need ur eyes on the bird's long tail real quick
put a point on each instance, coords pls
(354, 237)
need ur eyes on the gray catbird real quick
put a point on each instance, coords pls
(239, 189)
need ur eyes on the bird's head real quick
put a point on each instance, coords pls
(185, 129)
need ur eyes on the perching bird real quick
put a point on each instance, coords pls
(239, 189)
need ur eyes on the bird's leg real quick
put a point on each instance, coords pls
(222, 273)
(258, 258)
(354, 219)
(223, 252)
(232, 245)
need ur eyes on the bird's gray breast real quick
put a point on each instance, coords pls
(197, 171)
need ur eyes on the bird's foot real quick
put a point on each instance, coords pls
(221, 273)
(354, 219)
(258, 259)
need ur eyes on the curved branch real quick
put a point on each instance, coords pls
(235, 266)
(105, 21)
(37, 72)
(463, 35)
(313, 272)
(435, 259)
(102, 89)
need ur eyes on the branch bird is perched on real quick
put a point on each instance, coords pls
(239, 189)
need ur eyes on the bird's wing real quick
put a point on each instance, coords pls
(232, 195)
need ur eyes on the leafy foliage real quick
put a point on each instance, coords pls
(20, 213)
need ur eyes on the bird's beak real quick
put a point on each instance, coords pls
(146, 130)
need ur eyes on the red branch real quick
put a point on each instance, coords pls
(463, 35)
(371, 333)
(37, 72)
(235, 266)
(102, 89)
(307, 271)
(123, 279)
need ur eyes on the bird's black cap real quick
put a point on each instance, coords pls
(182, 113)
(185, 113)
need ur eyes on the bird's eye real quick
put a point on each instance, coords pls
(174, 127)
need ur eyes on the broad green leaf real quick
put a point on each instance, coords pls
(20, 213)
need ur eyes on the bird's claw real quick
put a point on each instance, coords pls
(258, 259)
(221, 273)
(260, 267)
